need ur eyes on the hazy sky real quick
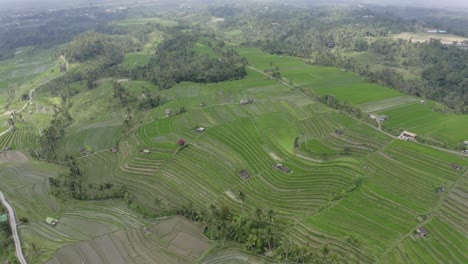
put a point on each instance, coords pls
(418, 3)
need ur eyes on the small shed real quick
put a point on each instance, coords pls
(168, 112)
(244, 174)
(442, 189)
(405, 135)
(339, 132)
(146, 151)
(114, 149)
(51, 221)
(422, 231)
(455, 166)
(3, 218)
(201, 129)
(282, 168)
(383, 117)
(244, 102)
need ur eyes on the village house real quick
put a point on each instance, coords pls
(379, 118)
(244, 174)
(405, 135)
(247, 101)
(3, 218)
(437, 31)
(282, 168)
(455, 166)
(51, 221)
(114, 149)
(422, 231)
(383, 118)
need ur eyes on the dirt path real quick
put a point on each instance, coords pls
(14, 229)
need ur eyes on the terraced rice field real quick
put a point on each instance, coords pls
(173, 240)
(26, 70)
(363, 193)
(405, 112)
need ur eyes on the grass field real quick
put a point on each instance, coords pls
(345, 86)
(422, 119)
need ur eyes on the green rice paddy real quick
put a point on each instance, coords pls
(362, 193)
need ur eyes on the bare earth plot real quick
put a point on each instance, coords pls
(423, 37)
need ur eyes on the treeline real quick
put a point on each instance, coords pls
(56, 130)
(69, 185)
(260, 233)
(146, 100)
(439, 72)
(328, 35)
(91, 45)
(300, 31)
(101, 53)
(176, 61)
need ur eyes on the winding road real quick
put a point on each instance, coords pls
(14, 229)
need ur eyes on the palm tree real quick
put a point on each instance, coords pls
(271, 220)
(242, 197)
(258, 216)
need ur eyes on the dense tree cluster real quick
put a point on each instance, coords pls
(260, 233)
(53, 133)
(176, 61)
(48, 28)
(329, 36)
(91, 45)
(69, 185)
(438, 72)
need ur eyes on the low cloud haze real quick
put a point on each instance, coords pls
(417, 3)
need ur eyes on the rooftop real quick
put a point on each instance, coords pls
(422, 230)
(3, 218)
